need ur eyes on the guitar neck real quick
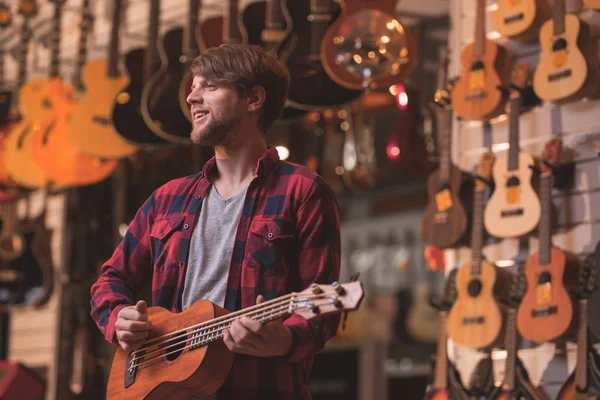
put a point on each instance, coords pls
(274, 19)
(8, 214)
(86, 25)
(510, 344)
(444, 126)
(441, 364)
(545, 229)
(190, 46)
(319, 17)
(151, 59)
(55, 41)
(558, 17)
(513, 150)
(479, 42)
(582, 348)
(113, 49)
(232, 32)
(477, 231)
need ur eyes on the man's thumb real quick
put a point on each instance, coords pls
(141, 306)
(260, 299)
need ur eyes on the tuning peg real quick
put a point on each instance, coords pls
(315, 309)
(316, 289)
(338, 288)
(337, 303)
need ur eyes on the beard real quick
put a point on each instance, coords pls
(213, 133)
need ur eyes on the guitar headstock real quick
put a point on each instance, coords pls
(517, 289)
(320, 300)
(550, 156)
(5, 15)
(27, 8)
(484, 171)
(519, 78)
(448, 297)
(588, 278)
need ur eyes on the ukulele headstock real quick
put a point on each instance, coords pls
(519, 78)
(27, 8)
(320, 300)
(484, 171)
(517, 289)
(550, 155)
(5, 15)
(588, 278)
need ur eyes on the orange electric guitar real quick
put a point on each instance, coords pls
(184, 355)
(486, 66)
(520, 19)
(546, 311)
(62, 162)
(568, 69)
(387, 52)
(475, 319)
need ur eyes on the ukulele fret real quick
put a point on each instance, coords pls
(545, 233)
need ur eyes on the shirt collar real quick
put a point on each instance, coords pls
(266, 164)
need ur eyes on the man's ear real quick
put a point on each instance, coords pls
(256, 98)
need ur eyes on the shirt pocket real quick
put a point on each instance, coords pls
(166, 237)
(267, 244)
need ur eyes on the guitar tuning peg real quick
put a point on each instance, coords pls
(315, 289)
(315, 309)
(338, 288)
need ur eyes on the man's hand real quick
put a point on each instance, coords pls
(254, 338)
(132, 326)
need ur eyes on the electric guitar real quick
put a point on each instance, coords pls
(514, 208)
(593, 260)
(486, 66)
(184, 355)
(225, 28)
(388, 51)
(445, 220)
(62, 162)
(520, 19)
(475, 319)
(567, 69)
(546, 311)
(584, 382)
(91, 127)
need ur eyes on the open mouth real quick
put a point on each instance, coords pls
(198, 115)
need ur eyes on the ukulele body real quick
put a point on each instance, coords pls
(514, 208)
(475, 319)
(546, 311)
(568, 73)
(476, 95)
(593, 4)
(444, 223)
(520, 19)
(62, 162)
(201, 371)
(10, 191)
(91, 127)
(160, 97)
(5, 105)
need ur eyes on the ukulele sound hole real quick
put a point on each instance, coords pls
(474, 287)
(175, 351)
(544, 278)
(512, 181)
(560, 44)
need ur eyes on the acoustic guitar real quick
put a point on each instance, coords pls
(191, 50)
(226, 28)
(368, 46)
(486, 67)
(141, 64)
(514, 208)
(520, 19)
(62, 162)
(91, 127)
(18, 148)
(475, 319)
(546, 311)
(593, 260)
(567, 69)
(584, 382)
(311, 86)
(184, 355)
(445, 220)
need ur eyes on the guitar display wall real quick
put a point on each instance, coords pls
(576, 221)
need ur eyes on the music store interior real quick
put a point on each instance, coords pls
(461, 139)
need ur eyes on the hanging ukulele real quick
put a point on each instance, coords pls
(520, 19)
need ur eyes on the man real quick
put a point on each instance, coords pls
(248, 228)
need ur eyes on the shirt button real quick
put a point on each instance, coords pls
(161, 234)
(186, 226)
(180, 263)
(197, 197)
(270, 235)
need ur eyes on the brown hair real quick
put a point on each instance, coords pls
(245, 66)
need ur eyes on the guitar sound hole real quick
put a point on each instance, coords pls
(477, 66)
(513, 181)
(560, 44)
(175, 351)
(11, 247)
(544, 277)
(474, 287)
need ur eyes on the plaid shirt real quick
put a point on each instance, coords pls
(288, 237)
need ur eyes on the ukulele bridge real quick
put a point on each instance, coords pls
(544, 311)
(514, 18)
(131, 369)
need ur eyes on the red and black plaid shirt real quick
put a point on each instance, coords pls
(288, 237)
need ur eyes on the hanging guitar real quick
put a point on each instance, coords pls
(368, 46)
(6, 20)
(520, 19)
(594, 297)
(225, 28)
(546, 311)
(191, 50)
(187, 346)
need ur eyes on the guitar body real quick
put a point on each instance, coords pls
(514, 208)
(475, 319)
(311, 87)
(476, 95)
(5, 105)
(91, 128)
(377, 14)
(444, 228)
(567, 73)
(546, 311)
(593, 4)
(520, 19)
(62, 162)
(126, 113)
(160, 97)
(441, 394)
(254, 20)
(201, 371)
(210, 33)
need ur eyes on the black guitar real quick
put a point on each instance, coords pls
(191, 50)
(311, 87)
(5, 94)
(141, 64)
(592, 261)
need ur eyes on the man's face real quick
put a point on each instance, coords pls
(216, 112)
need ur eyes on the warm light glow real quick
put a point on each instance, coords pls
(402, 99)
(342, 114)
(345, 126)
(393, 151)
(393, 90)
(385, 39)
(390, 25)
(505, 263)
(122, 230)
(283, 151)
(357, 59)
(371, 54)
(339, 170)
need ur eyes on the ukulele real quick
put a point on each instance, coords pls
(516, 384)
(447, 383)
(62, 162)
(222, 29)
(141, 64)
(18, 148)
(584, 382)
(520, 19)
(475, 319)
(594, 297)
(567, 69)
(191, 50)
(368, 46)
(184, 355)
(486, 66)
(91, 128)
(546, 311)
(593, 4)
(445, 220)
(514, 208)
(311, 87)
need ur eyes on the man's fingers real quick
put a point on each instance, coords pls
(141, 307)
(126, 336)
(260, 299)
(131, 346)
(132, 326)
(132, 314)
(251, 324)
